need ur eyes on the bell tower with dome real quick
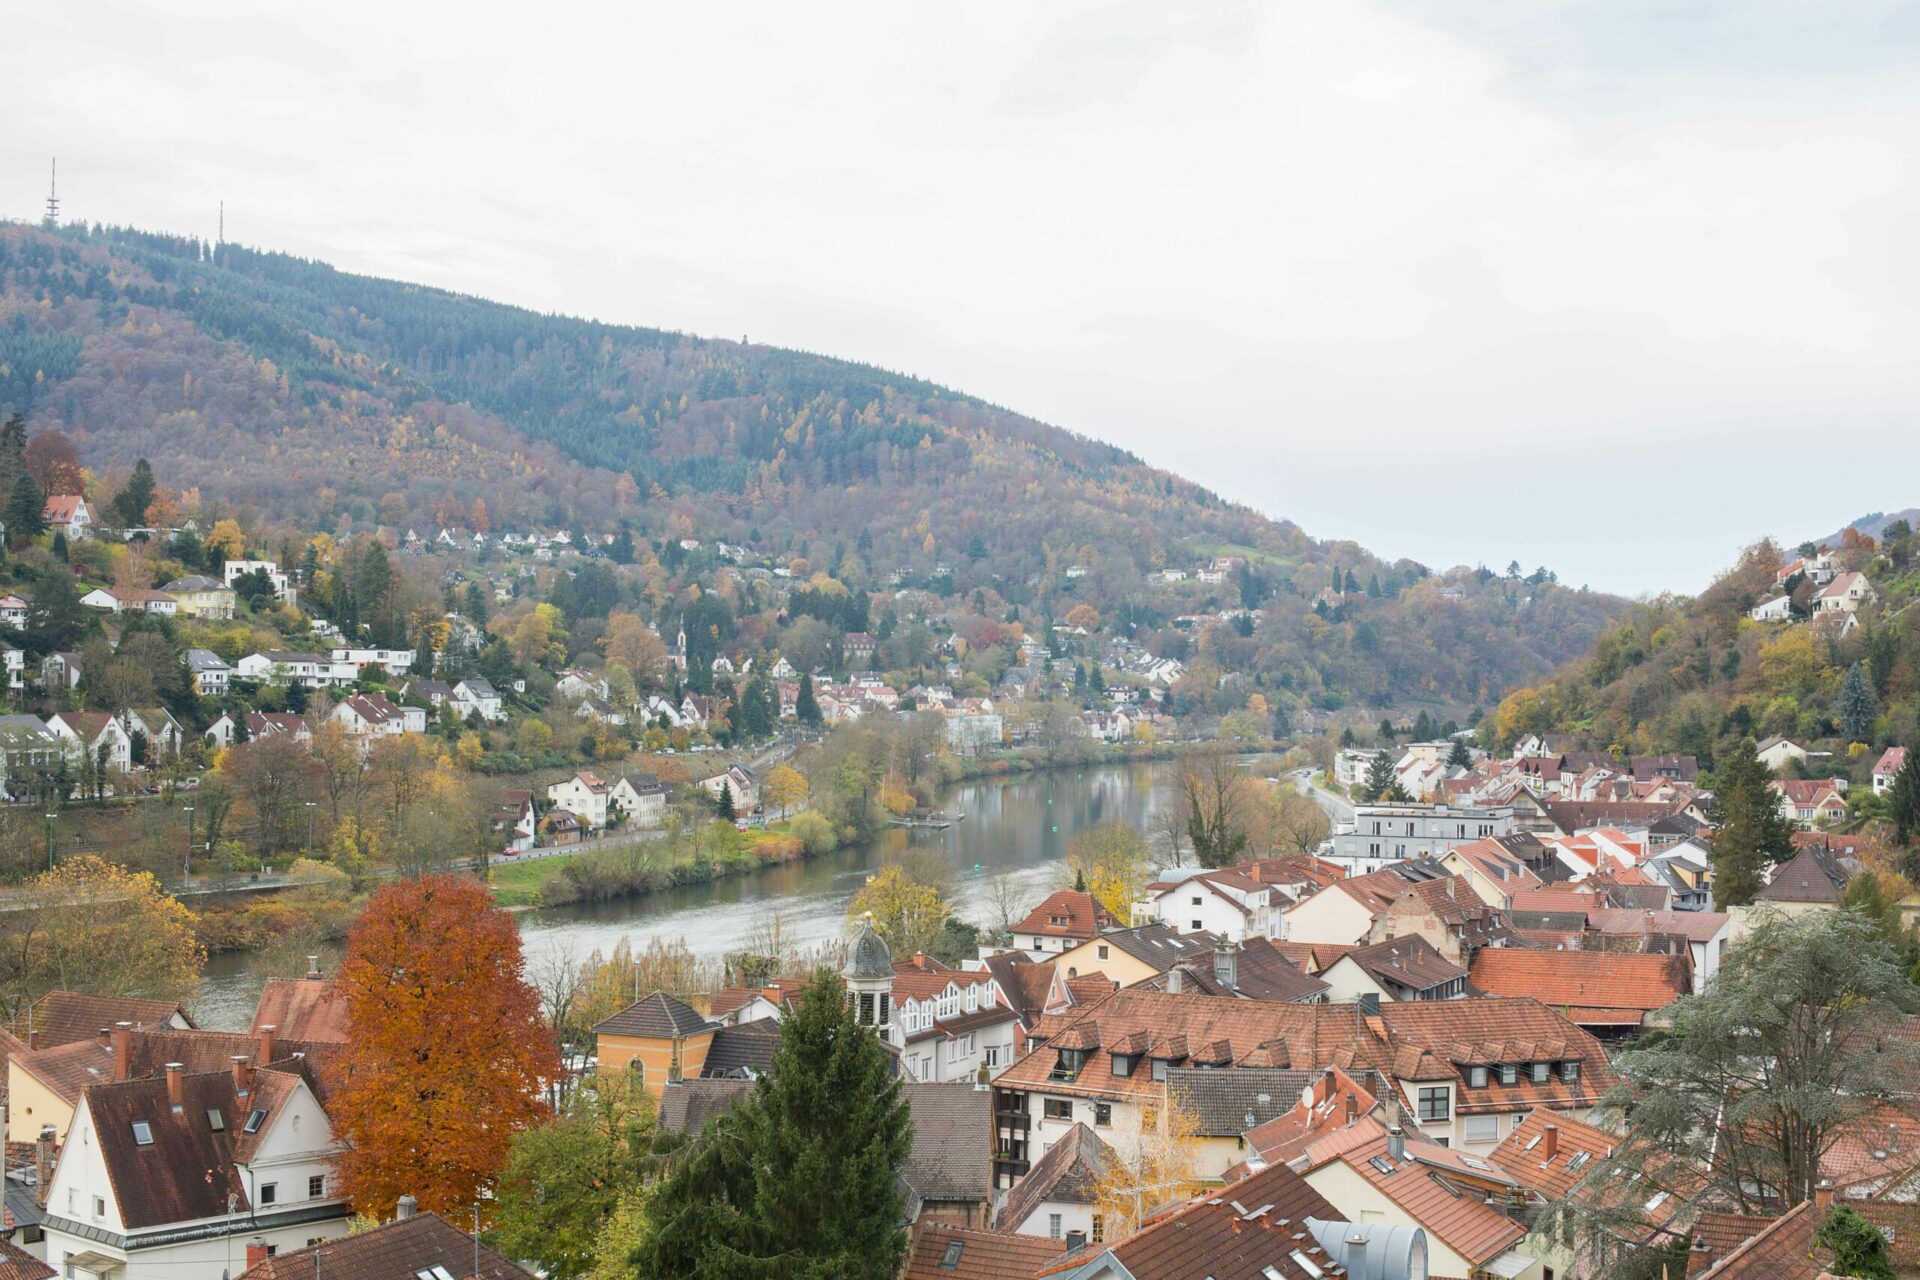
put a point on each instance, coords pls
(869, 979)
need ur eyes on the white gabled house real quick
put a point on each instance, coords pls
(475, 694)
(284, 666)
(174, 1176)
(96, 735)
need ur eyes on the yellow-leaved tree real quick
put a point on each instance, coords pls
(1154, 1166)
(908, 915)
(94, 926)
(1110, 859)
(786, 788)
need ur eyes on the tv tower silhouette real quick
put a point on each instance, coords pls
(53, 194)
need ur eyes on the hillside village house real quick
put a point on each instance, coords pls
(198, 596)
(1385, 833)
(662, 1040)
(1810, 801)
(1774, 753)
(370, 716)
(1845, 594)
(476, 696)
(394, 662)
(70, 514)
(163, 735)
(13, 610)
(136, 600)
(639, 799)
(1064, 920)
(739, 782)
(1887, 768)
(284, 666)
(95, 735)
(281, 580)
(226, 731)
(161, 1178)
(208, 671)
(16, 666)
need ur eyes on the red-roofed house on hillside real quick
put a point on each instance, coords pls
(1810, 801)
(1225, 903)
(71, 514)
(1063, 921)
(1887, 768)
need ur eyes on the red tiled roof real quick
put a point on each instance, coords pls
(400, 1250)
(303, 1009)
(977, 1254)
(1586, 979)
(1781, 1250)
(1425, 1184)
(1524, 1155)
(1067, 914)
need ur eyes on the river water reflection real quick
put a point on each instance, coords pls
(1020, 825)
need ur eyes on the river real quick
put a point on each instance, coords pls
(1019, 825)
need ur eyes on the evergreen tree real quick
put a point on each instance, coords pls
(1423, 728)
(1859, 1249)
(620, 551)
(1903, 798)
(800, 1179)
(1857, 705)
(1749, 830)
(475, 604)
(1098, 681)
(724, 805)
(1459, 757)
(131, 503)
(55, 619)
(806, 708)
(1380, 778)
(26, 511)
(60, 548)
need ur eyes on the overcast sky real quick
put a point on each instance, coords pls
(1611, 286)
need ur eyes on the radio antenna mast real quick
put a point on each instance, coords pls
(53, 194)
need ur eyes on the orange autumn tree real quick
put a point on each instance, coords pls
(446, 1056)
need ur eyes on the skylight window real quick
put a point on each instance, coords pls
(1474, 1162)
(216, 1121)
(1658, 1200)
(952, 1258)
(1579, 1158)
(254, 1120)
(143, 1133)
(1381, 1163)
(434, 1272)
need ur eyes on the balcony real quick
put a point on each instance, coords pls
(1018, 1121)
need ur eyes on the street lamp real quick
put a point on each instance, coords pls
(50, 817)
(186, 869)
(311, 806)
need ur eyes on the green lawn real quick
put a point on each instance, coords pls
(517, 884)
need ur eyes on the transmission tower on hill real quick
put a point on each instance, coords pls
(53, 195)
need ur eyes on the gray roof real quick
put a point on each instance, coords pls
(1160, 945)
(1409, 962)
(205, 660)
(1222, 1100)
(952, 1153)
(868, 957)
(196, 582)
(1805, 877)
(687, 1105)
(743, 1050)
(1069, 1173)
(658, 1015)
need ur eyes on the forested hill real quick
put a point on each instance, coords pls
(318, 398)
(1697, 675)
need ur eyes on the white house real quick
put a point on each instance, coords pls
(1887, 769)
(395, 662)
(208, 671)
(16, 663)
(282, 580)
(13, 611)
(163, 733)
(283, 666)
(175, 1176)
(1845, 594)
(639, 799)
(1776, 751)
(369, 716)
(475, 694)
(948, 1023)
(91, 732)
(1778, 609)
(117, 600)
(69, 513)
(1225, 903)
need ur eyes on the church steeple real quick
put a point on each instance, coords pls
(869, 979)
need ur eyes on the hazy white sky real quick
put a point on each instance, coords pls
(1609, 286)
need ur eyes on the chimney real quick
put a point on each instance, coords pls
(106, 1037)
(122, 1050)
(405, 1208)
(1397, 1143)
(263, 1044)
(1174, 983)
(1226, 965)
(33, 1039)
(177, 1086)
(242, 1075)
(43, 1156)
(313, 968)
(1353, 1107)
(256, 1253)
(1549, 1143)
(1823, 1199)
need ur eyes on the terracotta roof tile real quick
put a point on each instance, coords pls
(399, 1250)
(1584, 979)
(943, 1252)
(1067, 914)
(1428, 1184)
(1069, 1173)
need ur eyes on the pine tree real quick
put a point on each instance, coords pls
(724, 805)
(131, 503)
(26, 511)
(806, 708)
(1459, 757)
(799, 1180)
(1749, 830)
(1857, 705)
(1380, 777)
(1903, 798)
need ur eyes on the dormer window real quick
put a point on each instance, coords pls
(1540, 1070)
(1509, 1073)
(1123, 1064)
(1570, 1071)
(1476, 1077)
